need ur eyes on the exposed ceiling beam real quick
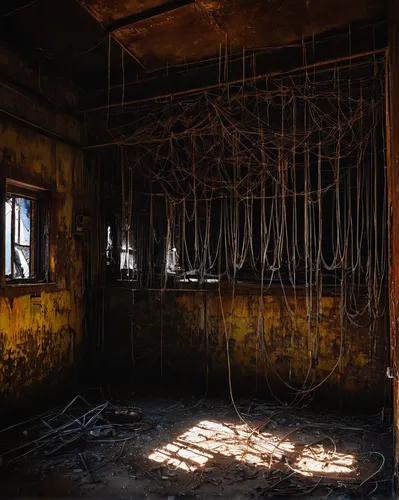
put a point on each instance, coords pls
(363, 39)
(114, 25)
(250, 79)
(111, 35)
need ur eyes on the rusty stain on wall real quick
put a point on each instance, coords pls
(32, 343)
(39, 332)
(193, 335)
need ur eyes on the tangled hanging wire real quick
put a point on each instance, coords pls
(280, 181)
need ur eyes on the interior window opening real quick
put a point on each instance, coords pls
(109, 248)
(172, 260)
(128, 264)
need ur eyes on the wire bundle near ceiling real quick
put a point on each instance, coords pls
(281, 181)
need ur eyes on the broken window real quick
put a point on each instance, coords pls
(128, 265)
(109, 248)
(26, 235)
(172, 261)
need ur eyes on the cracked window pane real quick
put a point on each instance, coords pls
(8, 235)
(19, 215)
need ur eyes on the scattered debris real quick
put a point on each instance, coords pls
(202, 448)
(102, 432)
(123, 415)
(77, 421)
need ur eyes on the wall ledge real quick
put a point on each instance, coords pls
(19, 289)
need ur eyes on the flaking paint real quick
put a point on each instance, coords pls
(39, 332)
(183, 337)
(285, 337)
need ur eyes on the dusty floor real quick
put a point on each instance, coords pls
(197, 449)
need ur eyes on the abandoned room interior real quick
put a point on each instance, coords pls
(199, 273)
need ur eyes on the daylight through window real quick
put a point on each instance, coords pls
(19, 237)
(26, 234)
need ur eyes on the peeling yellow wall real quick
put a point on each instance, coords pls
(181, 337)
(39, 332)
(289, 341)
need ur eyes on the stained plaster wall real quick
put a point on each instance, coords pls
(41, 325)
(180, 337)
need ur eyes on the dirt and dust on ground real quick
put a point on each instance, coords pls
(135, 447)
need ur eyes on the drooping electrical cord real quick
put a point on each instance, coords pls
(280, 183)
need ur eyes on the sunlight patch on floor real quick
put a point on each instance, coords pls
(316, 459)
(194, 448)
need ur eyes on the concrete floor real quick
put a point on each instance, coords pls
(197, 449)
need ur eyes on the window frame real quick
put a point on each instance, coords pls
(40, 228)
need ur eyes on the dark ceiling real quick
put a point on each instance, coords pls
(85, 39)
(163, 33)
